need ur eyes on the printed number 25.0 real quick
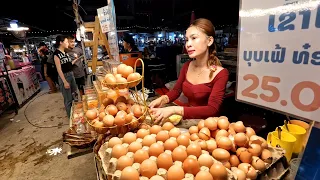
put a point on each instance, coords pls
(265, 85)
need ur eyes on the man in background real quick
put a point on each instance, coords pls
(78, 67)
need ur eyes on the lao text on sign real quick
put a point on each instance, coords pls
(106, 19)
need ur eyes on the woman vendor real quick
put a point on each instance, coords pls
(203, 80)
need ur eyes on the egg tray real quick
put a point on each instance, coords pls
(110, 173)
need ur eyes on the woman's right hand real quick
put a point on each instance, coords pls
(66, 85)
(159, 102)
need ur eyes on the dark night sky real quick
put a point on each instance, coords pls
(55, 14)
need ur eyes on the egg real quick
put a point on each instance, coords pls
(191, 166)
(121, 106)
(193, 129)
(122, 83)
(194, 137)
(112, 94)
(123, 162)
(164, 161)
(129, 173)
(221, 154)
(205, 160)
(155, 129)
(133, 78)
(108, 120)
(218, 171)
(162, 136)
(174, 132)
(204, 133)
(223, 123)
(128, 118)
(227, 164)
(101, 115)
(137, 111)
(244, 155)
(234, 161)
(112, 110)
(91, 114)
(266, 156)
(129, 138)
(142, 133)
(179, 154)
(121, 99)
(110, 80)
(148, 140)
(240, 139)
(250, 132)
(194, 149)
(239, 127)
(211, 145)
(224, 142)
(203, 175)
(134, 147)
(175, 172)
(254, 139)
(167, 126)
(148, 168)
(126, 71)
(248, 170)
(183, 140)
(140, 155)
(255, 149)
(202, 144)
(118, 150)
(120, 119)
(222, 132)
(211, 124)
(201, 124)
(157, 177)
(239, 173)
(156, 149)
(170, 144)
(121, 68)
(113, 141)
(258, 164)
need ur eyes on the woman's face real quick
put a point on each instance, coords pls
(197, 42)
(126, 45)
(65, 43)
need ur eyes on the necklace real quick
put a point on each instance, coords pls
(198, 75)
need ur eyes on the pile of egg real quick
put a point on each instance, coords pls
(123, 76)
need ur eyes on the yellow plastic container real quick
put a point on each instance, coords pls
(286, 142)
(299, 133)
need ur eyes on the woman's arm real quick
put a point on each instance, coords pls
(214, 102)
(177, 89)
(45, 70)
(59, 70)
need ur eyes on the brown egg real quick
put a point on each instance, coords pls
(179, 154)
(211, 145)
(118, 150)
(231, 131)
(248, 170)
(130, 101)
(148, 168)
(254, 139)
(258, 164)
(194, 137)
(129, 138)
(201, 124)
(202, 144)
(128, 118)
(191, 166)
(107, 101)
(221, 155)
(193, 129)
(204, 133)
(162, 136)
(223, 123)
(156, 177)
(148, 140)
(120, 68)
(240, 139)
(205, 160)
(194, 149)
(101, 115)
(211, 124)
(203, 175)
(142, 133)
(222, 132)
(155, 129)
(224, 142)
(175, 172)
(183, 140)
(112, 109)
(245, 156)
(227, 164)
(108, 120)
(126, 71)
(129, 173)
(218, 171)
(174, 132)
(140, 155)
(156, 149)
(167, 126)
(250, 132)
(113, 141)
(123, 162)
(266, 156)
(239, 127)
(121, 99)
(255, 149)
(121, 106)
(91, 114)
(164, 161)
(120, 119)
(137, 111)
(170, 144)
(239, 173)
(187, 134)
(134, 146)
(234, 161)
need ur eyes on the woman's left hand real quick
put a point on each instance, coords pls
(161, 114)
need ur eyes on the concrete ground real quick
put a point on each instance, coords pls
(23, 147)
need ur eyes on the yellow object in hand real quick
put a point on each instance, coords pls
(175, 119)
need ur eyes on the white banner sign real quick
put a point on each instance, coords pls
(105, 18)
(279, 56)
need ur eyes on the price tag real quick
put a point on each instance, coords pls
(279, 56)
(106, 20)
